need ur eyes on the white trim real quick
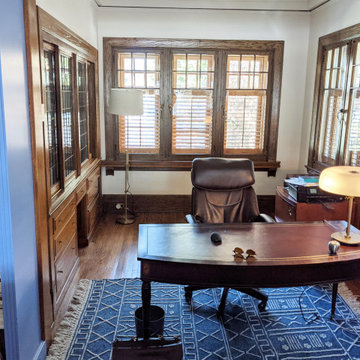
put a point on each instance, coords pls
(40, 352)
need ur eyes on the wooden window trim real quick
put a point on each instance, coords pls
(165, 159)
(326, 42)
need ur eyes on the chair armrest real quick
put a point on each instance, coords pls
(264, 218)
(190, 219)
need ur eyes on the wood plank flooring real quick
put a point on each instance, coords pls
(113, 251)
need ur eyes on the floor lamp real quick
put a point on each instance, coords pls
(126, 102)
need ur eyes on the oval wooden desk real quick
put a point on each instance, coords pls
(287, 254)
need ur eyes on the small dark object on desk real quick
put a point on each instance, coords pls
(215, 238)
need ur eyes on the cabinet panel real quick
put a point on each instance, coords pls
(93, 186)
(287, 209)
(63, 214)
(93, 215)
(284, 211)
(64, 265)
(68, 232)
(319, 211)
(80, 192)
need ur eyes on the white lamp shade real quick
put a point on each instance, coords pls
(126, 102)
(341, 180)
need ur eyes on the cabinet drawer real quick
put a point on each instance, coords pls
(321, 211)
(62, 215)
(93, 212)
(283, 210)
(64, 265)
(63, 239)
(80, 192)
(93, 187)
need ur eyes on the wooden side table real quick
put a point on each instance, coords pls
(288, 209)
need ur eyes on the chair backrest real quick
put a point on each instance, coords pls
(222, 190)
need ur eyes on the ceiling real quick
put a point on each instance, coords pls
(257, 5)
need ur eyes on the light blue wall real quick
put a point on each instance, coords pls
(19, 258)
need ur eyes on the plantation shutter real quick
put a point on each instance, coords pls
(332, 104)
(245, 106)
(192, 103)
(353, 139)
(140, 134)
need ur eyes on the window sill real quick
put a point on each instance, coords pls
(135, 165)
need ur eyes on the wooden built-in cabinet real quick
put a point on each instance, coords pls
(72, 224)
(64, 98)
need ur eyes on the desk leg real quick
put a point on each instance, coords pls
(146, 299)
(333, 300)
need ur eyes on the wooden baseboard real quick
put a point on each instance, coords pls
(170, 203)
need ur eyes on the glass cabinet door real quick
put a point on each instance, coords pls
(51, 119)
(67, 113)
(83, 113)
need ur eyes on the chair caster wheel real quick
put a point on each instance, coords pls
(262, 305)
(188, 296)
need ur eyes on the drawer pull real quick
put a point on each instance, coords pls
(290, 212)
(60, 271)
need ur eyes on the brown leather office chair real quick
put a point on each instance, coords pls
(222, 193)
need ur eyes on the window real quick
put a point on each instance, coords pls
(246, 92)
(215, 98)
(192, 103)
(335, 137)
(140, 134)
(69, 95)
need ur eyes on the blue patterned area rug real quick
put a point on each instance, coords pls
(104, 310)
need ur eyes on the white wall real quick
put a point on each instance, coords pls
(333, 16)
(78, 15)
(291, 27)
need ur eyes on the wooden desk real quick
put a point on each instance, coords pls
(288, 254)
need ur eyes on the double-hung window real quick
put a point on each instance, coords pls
(335, 136)
(201, 98)
(140, 70)
(192, 103)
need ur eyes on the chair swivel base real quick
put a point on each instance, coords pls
(220, 312)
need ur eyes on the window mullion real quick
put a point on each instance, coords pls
(166, 103)
(217, 148)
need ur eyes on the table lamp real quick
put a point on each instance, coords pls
(343, 180)
(126, 102)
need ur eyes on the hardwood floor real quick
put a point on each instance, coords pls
(112, 252)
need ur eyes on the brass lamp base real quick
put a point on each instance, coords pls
(340, 236)
(125, 219)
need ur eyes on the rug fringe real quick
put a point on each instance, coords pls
(65, 332)
(350, 298)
